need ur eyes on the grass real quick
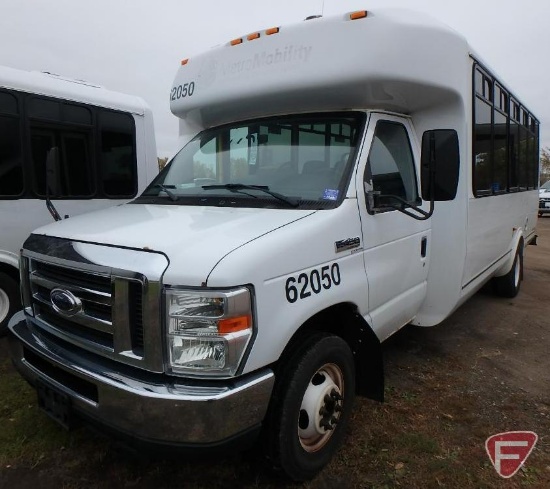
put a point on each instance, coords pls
(430, 432)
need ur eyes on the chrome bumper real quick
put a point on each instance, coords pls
(149, 407)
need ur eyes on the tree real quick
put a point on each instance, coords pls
(162, 162)
(544, 165)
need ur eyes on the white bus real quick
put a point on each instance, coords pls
(346, 176)
(107, 154)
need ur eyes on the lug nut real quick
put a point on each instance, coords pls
(335, 396)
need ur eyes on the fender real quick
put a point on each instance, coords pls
(9, 258)
(517, 238)
(344, 320)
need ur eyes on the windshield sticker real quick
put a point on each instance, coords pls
(330, 194)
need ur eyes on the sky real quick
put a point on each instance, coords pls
(136, 46)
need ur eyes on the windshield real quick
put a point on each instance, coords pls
(546, 185)
(297, 162)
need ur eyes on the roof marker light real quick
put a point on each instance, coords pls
(234, 42)
(184, 61)
(360, 14)
(273, 30)
(253, 36)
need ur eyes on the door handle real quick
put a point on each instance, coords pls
(424, 246)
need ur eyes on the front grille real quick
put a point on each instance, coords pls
(135, 293)
(98, 295)
(103, 299)
(67, 276)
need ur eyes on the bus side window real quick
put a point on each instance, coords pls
(11, 172)
(391, 163)
(118, 167)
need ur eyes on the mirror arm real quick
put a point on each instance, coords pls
(374, 198)
(51, 159)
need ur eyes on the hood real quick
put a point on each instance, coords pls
(195, 237)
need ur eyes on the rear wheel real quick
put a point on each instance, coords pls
(508, 285)
(311, 406)
(9, 301)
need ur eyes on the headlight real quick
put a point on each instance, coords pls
(207, 331)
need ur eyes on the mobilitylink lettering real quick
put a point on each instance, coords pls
(289, 54)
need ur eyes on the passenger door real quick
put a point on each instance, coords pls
(396, 246)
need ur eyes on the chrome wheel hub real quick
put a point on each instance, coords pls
(321, 407)
(4, 305)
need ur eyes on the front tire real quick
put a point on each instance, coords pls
(311, 406)
(508, 285)
(9, 301)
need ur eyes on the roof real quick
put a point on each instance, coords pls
(51, 85)
(393, 60)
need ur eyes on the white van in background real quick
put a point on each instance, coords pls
(106, 155)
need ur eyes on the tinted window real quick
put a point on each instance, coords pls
(74, 168)
(505, 149)
(40, 108)
(41, 143)
(482, 147)
(77, 114)
(11, 173)
(391, 162)
(500, 153)
(118, 160)
(95, 146)
(8, 104)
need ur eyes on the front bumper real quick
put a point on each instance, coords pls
(151, 408)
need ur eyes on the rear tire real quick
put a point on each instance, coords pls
(9, 301)
(311, 406)
(508, 285)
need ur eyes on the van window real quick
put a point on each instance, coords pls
(307, 158)
(391, 163)
(11, 173)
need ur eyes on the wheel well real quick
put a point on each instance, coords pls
(344, 320)
(10, 271)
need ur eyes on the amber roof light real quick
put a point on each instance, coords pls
(360, 14)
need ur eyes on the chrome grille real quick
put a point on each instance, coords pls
(95, 291)
(107, 299)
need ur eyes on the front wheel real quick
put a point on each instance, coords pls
(508, 285)
(9, 301)
(311, 406)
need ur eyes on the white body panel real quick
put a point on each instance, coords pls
(194, 239)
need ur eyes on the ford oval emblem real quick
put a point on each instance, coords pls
(64, 302)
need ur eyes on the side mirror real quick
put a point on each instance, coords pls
(440, 164)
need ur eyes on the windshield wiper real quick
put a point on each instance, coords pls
(166, 189)
(237, 187)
